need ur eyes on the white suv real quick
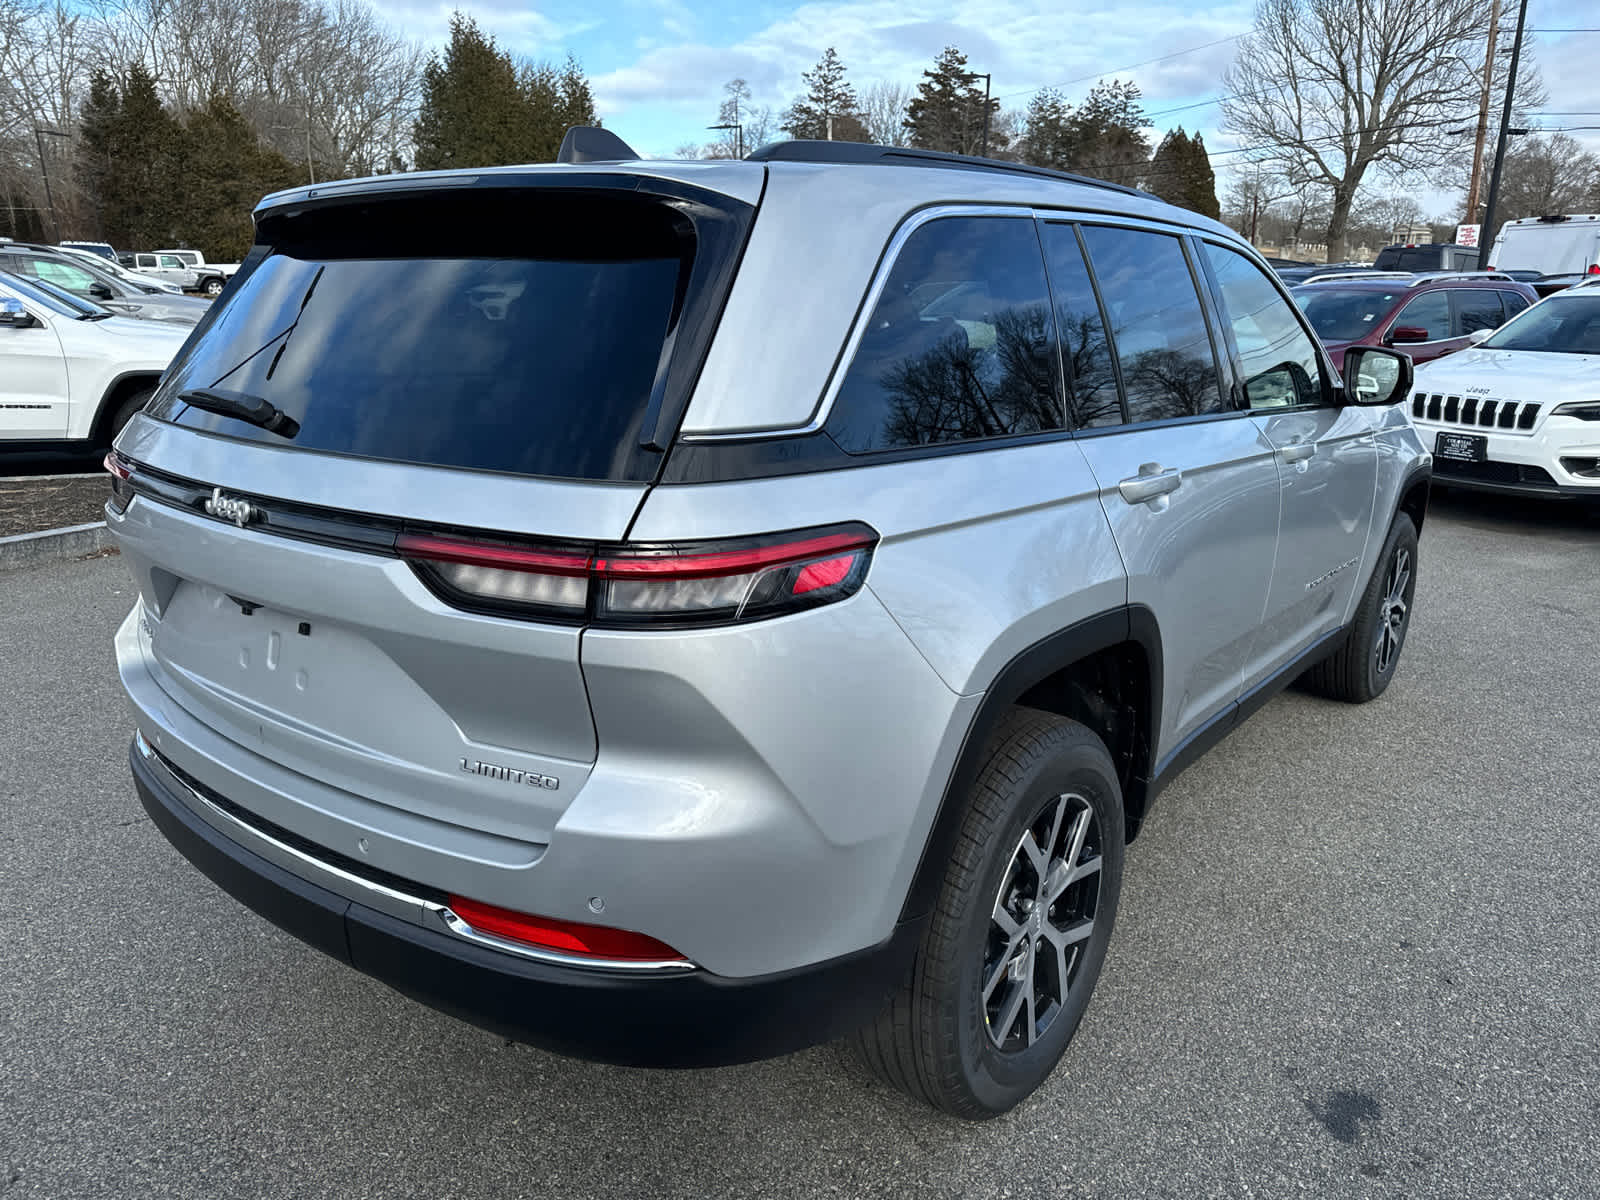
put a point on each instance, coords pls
(70, 370)
(1520, 412)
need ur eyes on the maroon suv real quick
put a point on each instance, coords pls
(1427, 316)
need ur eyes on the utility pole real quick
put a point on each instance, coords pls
(1474, 187)
(1486, 234)
(44, 167)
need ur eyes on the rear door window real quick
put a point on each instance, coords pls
(1429, 311)
(1092, 396)
(540, 361)
(960, 344)
(1157, 324)
(1514, 303)
(1475, 309)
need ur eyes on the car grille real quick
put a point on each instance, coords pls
(1492, 472)
(1476, 411)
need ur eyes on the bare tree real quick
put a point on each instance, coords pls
(1250, 197)
(1551, 174)
(1329, 90)
(883, 109)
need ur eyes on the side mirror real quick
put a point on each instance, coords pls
(1374, 376)
(13, 315)
(99, 291)
(1408, 333)
(1480, 335)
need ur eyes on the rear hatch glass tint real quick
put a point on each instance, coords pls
(523, 332)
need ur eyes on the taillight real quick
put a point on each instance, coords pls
(121, 472)
(1594, 269)
(690, 583)
(565, 937)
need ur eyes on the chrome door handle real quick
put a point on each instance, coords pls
(1297, 451)
(1151, 483)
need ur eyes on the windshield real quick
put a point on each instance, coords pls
(52, 298)
(1563, 324)
(1344, 314)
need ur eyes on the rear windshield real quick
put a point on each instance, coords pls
(538, 360)
(1344, 314)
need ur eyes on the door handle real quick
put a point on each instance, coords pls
(1151, 483)
(1297, 451)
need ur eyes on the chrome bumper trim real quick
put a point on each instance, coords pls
(439, 917)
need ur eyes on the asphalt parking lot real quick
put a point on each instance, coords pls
(1358, 954)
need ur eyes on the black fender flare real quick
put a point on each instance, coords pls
(1128, 623)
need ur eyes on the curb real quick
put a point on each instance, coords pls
(53, 545)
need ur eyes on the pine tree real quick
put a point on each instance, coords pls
(1168, 176)
(474, 108)
(555, 99)
(947, 111)
(1049, 138)
(1201, 181)
(829, 110)
(97, 140)
(226, 171)
(1109, 133)
(143, 189)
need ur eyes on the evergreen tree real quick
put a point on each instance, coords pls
(474, 111)
(1049, 138)
(947, 111)
(142, 186)
(829, 109)
(1108, 133)
(1201, 189)
(1168, 175)
(555, 99)
(97, 140)
(226, 171)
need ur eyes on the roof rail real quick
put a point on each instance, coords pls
(1430, 276)
(1332, 276)
(803, 150)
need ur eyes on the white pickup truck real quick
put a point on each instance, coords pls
(210, 277)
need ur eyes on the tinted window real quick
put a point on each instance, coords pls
(536, 365)
(1514, 303)
(1476, 308)
(1344, 314)
(1092, 396)
(960, 344)
(1281, 367)
(1430, 311)
(1157, 324)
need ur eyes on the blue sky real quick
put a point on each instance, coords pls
(658, 66)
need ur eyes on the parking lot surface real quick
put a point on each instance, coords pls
(1358, 954)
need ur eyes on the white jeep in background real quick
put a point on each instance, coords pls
(210, 278)
(72, 371)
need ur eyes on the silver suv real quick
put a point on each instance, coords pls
(674, 613)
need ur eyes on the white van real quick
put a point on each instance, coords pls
(1556, 245)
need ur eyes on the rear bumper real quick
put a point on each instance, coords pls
(693, 1019)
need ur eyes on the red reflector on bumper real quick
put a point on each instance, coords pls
(566, 937)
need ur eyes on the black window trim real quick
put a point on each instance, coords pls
(1330, 390)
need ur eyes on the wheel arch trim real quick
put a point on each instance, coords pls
(1131, 623)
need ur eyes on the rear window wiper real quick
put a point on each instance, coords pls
(244, 407)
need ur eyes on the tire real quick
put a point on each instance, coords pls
(212, 288)
(1363, 667)
(946, 1038)
(125, 411)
